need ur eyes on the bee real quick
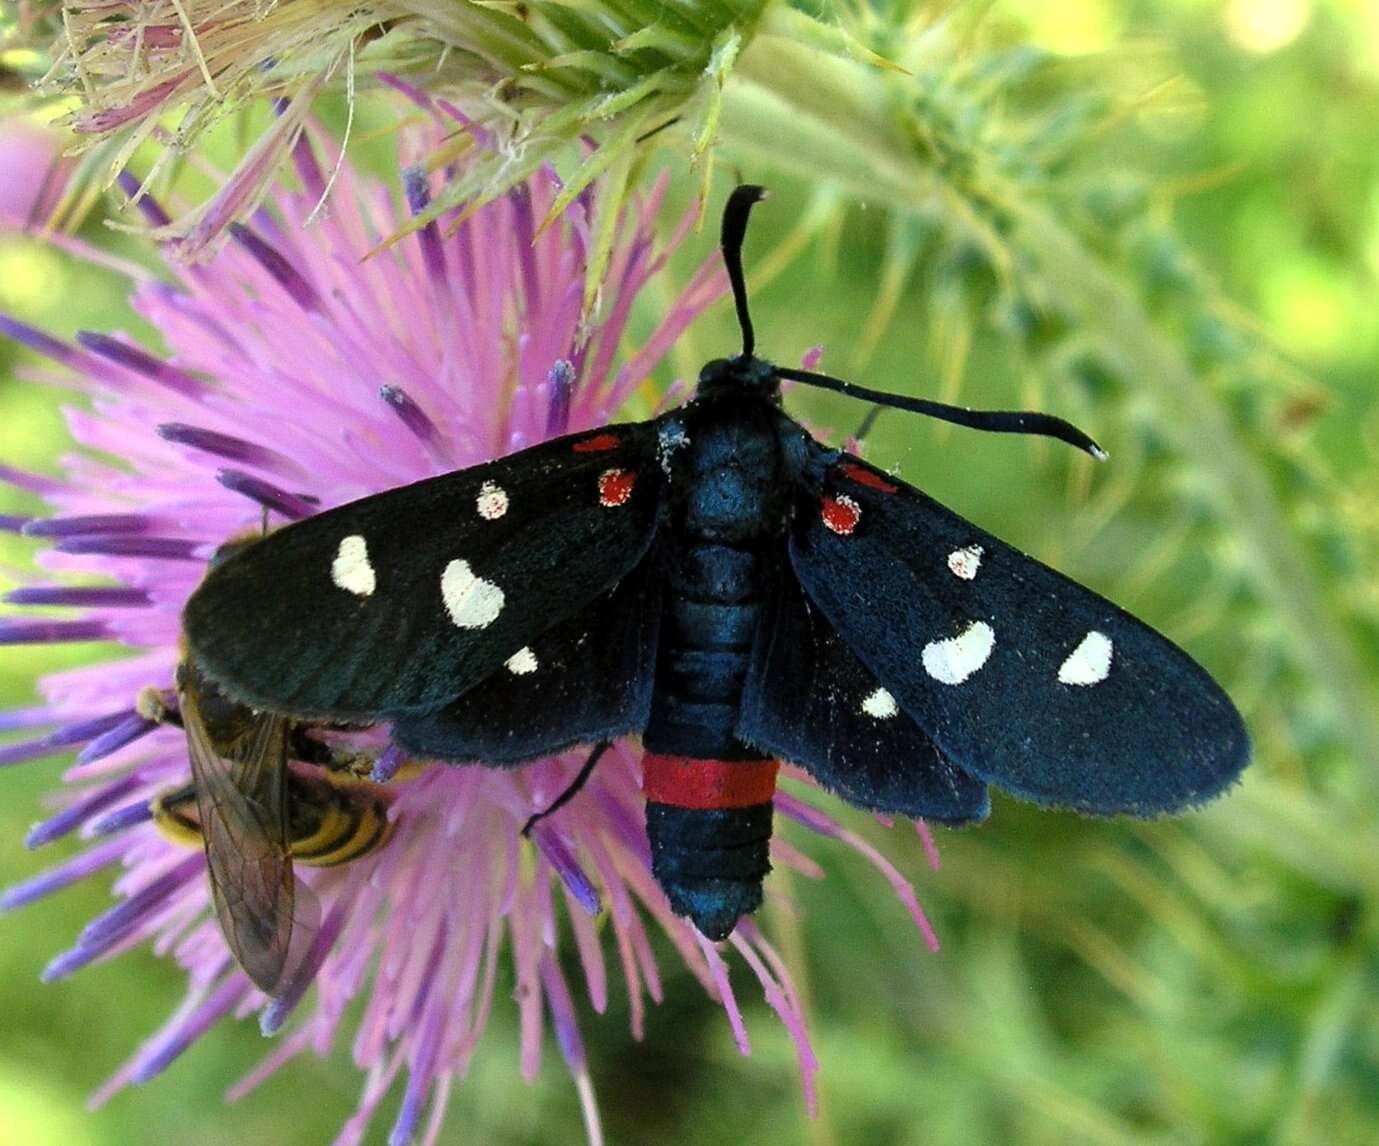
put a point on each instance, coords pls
(255, 813)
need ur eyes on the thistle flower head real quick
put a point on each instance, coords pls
(549, 78)
(298, 377)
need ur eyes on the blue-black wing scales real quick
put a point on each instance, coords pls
(1020, 677)
(586, 680)
(401, 602)
(808, 699)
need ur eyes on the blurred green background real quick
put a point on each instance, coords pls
(1207, 980)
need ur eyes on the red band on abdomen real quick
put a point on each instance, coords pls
(685, 782)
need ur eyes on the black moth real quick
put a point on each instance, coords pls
(723, 584)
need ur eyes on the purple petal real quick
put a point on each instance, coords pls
(67, 963)
(109, 118)
(291, 990)
(421, 1078)
(80, 596)
(33, 717)
(410, 414)
(88, 523)
(170, 1042)
(560, 382)
(562, 1013)
(417, 185)
(51, 632)
(308, 170)
(159, 548)
(225, 446)
(34, 483)
(110, 926)
(25, 750)
(415, 94)
(12, 523)
(810, 817)
(573, 876)
(77, 814)
(80, 731)
(292, 506)
(63, 875)
(37, 340)
(141, 362)
(122, 819)
(124, 733)
(283, 272)
(387, 765)
(524, 241)
(130, 184)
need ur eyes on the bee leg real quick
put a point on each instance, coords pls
(571, 791)
(306, 748)
(170, 809)
(155, 705)
(357, 764)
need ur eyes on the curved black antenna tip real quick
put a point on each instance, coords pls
(735, 214)
(998, 421)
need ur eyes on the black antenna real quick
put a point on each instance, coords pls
(735, 213)
(997, 421)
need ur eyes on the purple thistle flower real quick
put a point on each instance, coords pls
(329, 377)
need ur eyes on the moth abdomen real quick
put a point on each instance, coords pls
(714, 573)
(708, 812)
(710, 861)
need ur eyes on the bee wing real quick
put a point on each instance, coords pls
(241, 796)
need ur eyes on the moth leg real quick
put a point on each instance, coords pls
(572, 790)
(864, 430)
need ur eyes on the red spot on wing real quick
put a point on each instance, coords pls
(597, 444)
(866, 477)
(615, 487)
(841, 514)
(685, 782)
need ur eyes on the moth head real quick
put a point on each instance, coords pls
(742, 375)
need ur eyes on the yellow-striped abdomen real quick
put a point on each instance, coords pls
(330, 820)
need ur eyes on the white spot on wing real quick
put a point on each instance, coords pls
(472, 602)
(351, 570)
(522, 662)
(1089, 663)
(880, 704)
(492, 501)
(966, 561)
(954, 660)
